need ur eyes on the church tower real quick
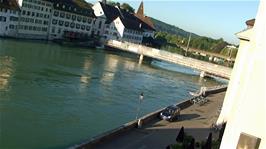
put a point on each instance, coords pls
(140, 11)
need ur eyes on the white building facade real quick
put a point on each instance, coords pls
(69, 19)
(35, 17)
(9, 18)
(244, 107)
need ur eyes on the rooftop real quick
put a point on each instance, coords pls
(74, 6)
(10, 4)
(129, 20)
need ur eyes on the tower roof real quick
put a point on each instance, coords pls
(140, 11)
(140, 14)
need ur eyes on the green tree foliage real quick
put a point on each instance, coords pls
(112, 3)
(124, 6)
(127, 7)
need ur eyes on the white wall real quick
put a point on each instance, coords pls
(28, 25)
(99, 25)
(244, 107)
(56, 30)
(5, 26)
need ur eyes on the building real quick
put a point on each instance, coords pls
(114, 23)
(9, 18)
(71, 19)
(46, 19)
(148, 27)
(34, 20)
(244, 107)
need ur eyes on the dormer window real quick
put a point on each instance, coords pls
(64, 6)
(75, 9)
(57, 5)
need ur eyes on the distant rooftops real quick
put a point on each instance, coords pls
(74, 6)
(9, 4)
(129, 20)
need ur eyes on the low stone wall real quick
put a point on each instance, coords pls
(133, 124)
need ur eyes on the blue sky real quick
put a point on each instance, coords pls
(216, 19)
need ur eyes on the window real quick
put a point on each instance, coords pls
(82, 27)
(72, 25)
(59, 31)
(11, 26)
(79, 18)
(77, 26)
(56, 13)
(23, 12)
(28, 13)
(88, 28)
(61, 23)
(62, 15)
(89, 21)
(32, 14)
(45, 22)
(84, 19)
(66, 24)
(30, 28)
(68, 16)
(53, 30)
(74, 17)
(12, 18)
(54, 21)
(44, 29)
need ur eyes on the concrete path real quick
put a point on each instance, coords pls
(158, 134)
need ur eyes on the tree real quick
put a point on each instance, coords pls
(127, 7)
(112, 3)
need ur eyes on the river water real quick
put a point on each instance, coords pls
(53, 96)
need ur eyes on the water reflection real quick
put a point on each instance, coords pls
(110, 68)
(6, 70)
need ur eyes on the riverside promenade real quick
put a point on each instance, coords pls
(157, 134)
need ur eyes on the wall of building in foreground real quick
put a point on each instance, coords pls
(244, 107)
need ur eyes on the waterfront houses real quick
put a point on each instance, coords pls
(71, 19)
(9, 16)
(122, 25)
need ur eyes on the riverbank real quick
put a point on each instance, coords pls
(157, 133)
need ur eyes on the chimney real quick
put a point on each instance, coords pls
(104, 1)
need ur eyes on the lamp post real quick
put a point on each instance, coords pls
(141, 96)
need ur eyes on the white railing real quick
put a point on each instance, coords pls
(207, 67)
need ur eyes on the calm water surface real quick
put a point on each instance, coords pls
(53, 97)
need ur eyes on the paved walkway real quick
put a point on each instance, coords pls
(158, 134)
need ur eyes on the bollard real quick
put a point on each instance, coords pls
(139, 123)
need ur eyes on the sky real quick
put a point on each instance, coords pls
(211, 18)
